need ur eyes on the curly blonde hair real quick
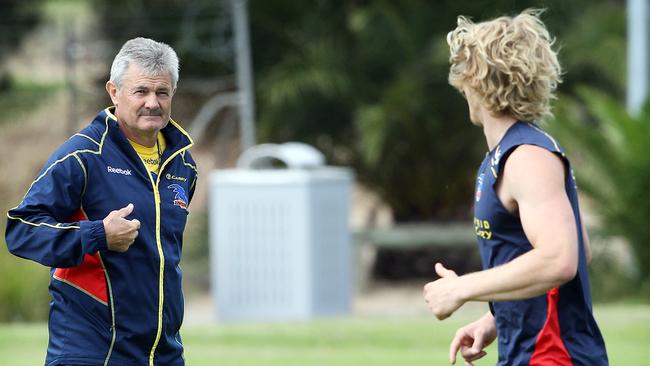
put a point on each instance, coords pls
(509, 62)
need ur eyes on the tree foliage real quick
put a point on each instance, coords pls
(17, 18)
(608, 146)
(614, 168)
(366, 81)
(198, 30)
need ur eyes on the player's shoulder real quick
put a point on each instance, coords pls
(533, 164)
(531, 155)
(532, 134)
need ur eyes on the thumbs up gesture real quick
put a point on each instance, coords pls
(442, 295)
(121, 232)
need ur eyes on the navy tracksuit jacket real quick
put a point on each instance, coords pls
(109, 308)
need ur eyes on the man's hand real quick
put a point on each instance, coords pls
(120, 232)
(442, 295)
(472, 339)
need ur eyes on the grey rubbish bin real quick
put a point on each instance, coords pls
(279, 238)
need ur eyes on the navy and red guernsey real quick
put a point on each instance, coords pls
(109, 308)
(557, 328)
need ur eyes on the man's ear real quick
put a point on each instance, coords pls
(111, 89)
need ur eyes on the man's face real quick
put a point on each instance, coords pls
(143, 102)
(474, 105)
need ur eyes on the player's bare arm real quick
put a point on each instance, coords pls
(532, 187)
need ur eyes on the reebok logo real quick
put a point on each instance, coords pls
(118, 170)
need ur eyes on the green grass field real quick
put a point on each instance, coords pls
(344, 341)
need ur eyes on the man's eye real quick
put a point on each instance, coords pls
(139, 92)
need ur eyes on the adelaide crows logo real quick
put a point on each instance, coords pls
(180, 199)
(479, 186)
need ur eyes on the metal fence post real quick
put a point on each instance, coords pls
(244, 73)
(638, 54)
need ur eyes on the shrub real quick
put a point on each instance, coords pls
(23, 288)
(612, 165)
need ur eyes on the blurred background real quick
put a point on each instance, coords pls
(365, 83)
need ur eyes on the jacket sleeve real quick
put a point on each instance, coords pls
(41, 228)
(188, 160)
(192, 188)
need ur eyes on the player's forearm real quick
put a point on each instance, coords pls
(529, 275)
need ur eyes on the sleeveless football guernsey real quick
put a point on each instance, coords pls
(556, 328)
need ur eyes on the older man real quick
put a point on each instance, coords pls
(107, 213)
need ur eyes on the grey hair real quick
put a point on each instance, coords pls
(154, 57)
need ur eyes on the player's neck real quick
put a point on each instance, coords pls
(495, 127)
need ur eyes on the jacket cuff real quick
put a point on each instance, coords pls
(93, 236)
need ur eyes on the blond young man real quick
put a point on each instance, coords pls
(533, 245)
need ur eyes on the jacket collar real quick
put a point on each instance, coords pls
(175, 136)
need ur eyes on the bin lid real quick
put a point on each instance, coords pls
(295, 155)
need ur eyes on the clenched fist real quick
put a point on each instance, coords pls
(121, 232)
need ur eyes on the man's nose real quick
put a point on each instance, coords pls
(151, 101)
